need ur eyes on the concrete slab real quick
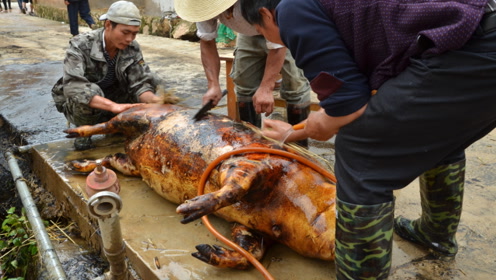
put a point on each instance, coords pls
(150, 226)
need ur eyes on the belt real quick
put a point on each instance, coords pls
(488, 23)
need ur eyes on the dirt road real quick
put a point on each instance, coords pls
(31, 53)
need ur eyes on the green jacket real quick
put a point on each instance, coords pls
(85, 65)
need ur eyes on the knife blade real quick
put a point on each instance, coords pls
(207, 107)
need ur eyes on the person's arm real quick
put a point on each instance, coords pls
(207, 32)
(319, 126)
(149, 97)
(140, 79)
(211, 65)
(319, 51)
(76, 86)
(102, 103)
(263, 99)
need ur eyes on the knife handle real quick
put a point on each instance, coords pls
(299, 126)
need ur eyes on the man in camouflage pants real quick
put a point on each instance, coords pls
(104, 72)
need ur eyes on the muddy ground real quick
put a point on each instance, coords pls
(31, 53)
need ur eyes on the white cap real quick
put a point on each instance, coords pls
(123, 12)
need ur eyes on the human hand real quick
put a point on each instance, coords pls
(263, 101)
(277, 130)
(66, 3)
(214, 94)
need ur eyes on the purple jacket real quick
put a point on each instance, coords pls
(382, 34)
(347, 48)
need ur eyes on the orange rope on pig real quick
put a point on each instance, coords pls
(214, 163)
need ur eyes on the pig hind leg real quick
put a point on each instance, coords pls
(247, 239)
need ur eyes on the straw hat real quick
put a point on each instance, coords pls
(201, 10)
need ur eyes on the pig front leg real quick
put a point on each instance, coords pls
(119, 161)
(239, 178)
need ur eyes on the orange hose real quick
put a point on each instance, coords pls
(214, 163)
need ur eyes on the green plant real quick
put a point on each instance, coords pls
(17, 246)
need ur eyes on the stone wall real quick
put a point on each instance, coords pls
(154, 21)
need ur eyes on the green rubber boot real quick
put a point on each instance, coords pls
(364, 239)
(441, 191)
(247, 113)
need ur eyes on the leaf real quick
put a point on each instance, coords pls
(17, 241)
(14, 263)
(34, 250)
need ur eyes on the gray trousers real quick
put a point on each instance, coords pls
(249, 66)
(425, 117)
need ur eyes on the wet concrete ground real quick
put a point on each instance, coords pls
(31, 53)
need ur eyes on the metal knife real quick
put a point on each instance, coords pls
(207, 107)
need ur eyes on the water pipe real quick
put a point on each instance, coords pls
(48, 254)
(105, 206)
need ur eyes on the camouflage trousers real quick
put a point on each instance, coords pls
(79, 114)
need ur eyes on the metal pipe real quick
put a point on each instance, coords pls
(48, 253)
(105, 206)
(25, 148)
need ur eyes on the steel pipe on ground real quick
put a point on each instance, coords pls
(48, 254)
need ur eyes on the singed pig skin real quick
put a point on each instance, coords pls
(277, 196)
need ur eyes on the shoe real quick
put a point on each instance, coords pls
(83, 143)
(23, 11)
(93, 26)
(31, 13)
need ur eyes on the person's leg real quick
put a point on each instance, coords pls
(31, 8)
(417, 121)
(72, 13)
(23, 6)
(84, 13)
(79, 114)
(10, 4)
(247, 73)
(4, 4)
(441, 193)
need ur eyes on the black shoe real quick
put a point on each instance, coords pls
(83, 143)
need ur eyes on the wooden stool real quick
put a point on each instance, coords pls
(232, 108)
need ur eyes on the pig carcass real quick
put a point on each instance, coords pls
(270, 196)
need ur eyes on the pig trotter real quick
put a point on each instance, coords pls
(220, 257)
(71, 134)
(198, 207)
